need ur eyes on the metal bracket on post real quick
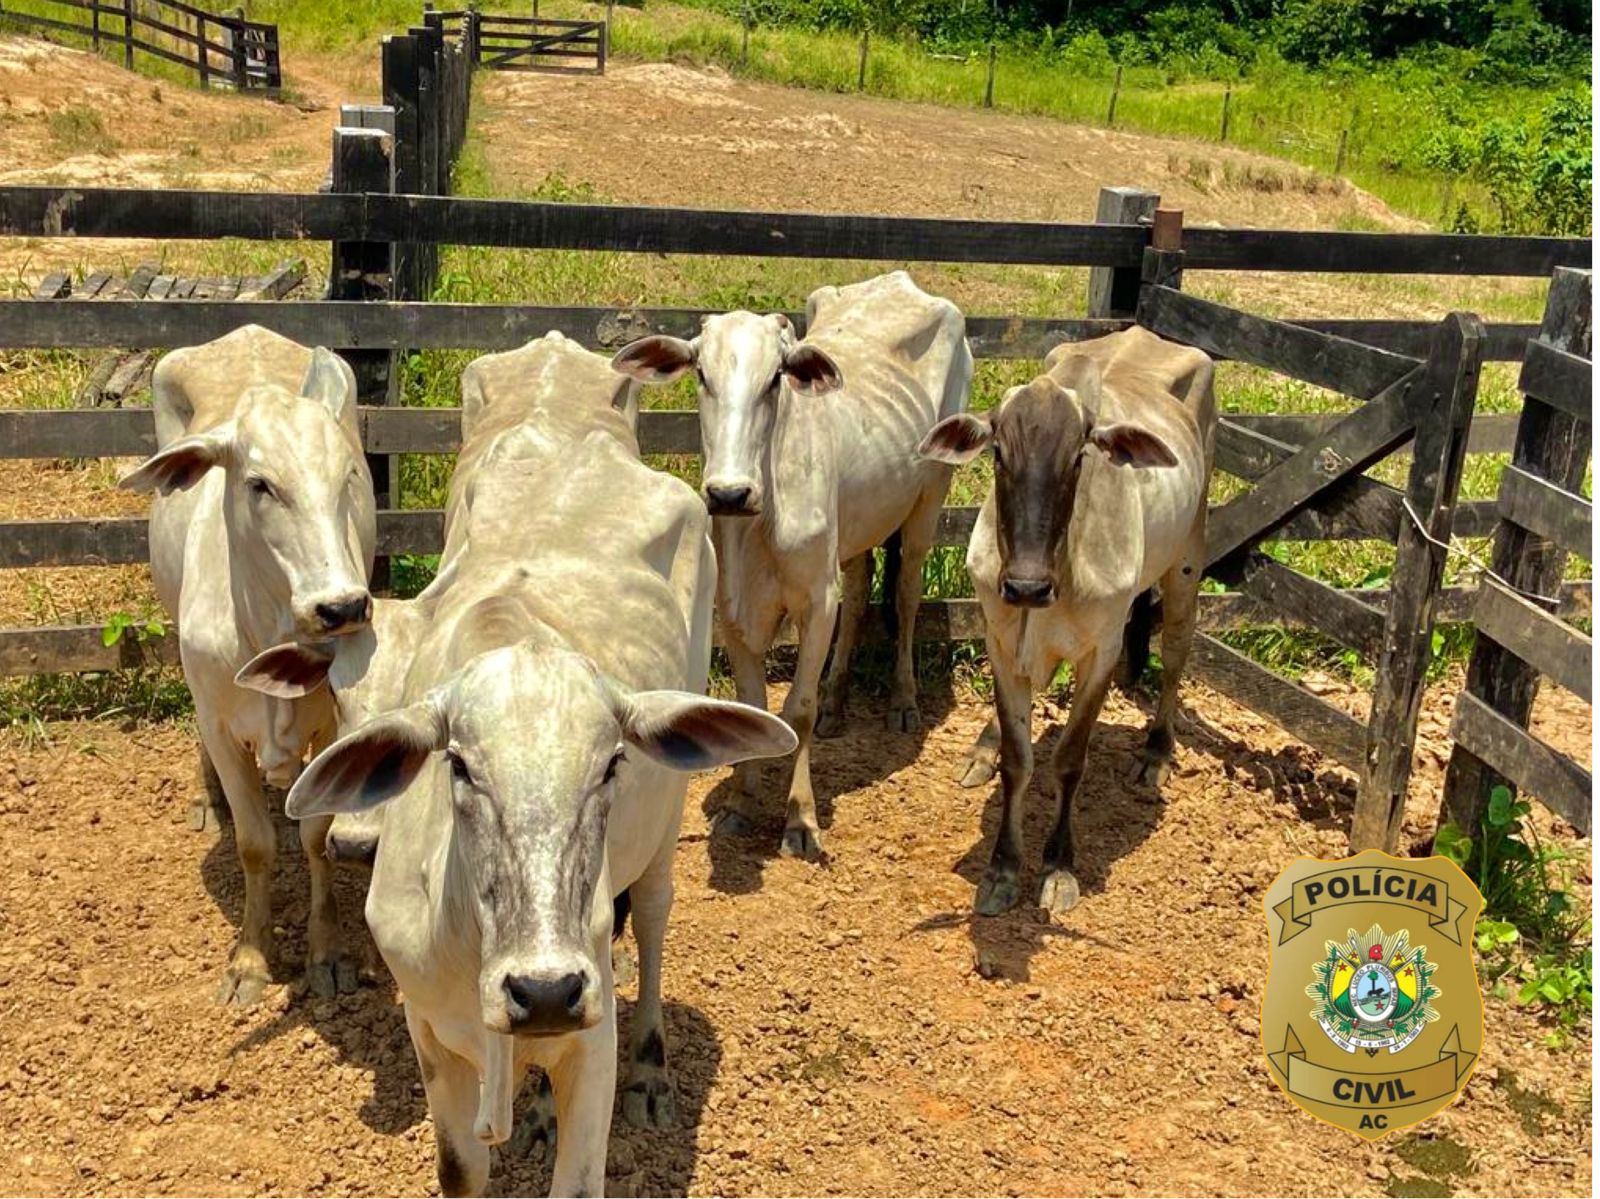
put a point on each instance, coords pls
(1114, 291)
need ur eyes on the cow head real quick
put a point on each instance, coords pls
(297, 499)
(1039, 435)
(531, 744)
(740, 361)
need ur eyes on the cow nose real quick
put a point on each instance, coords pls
(341, 614)
(546, 1003)
(729, 499)
(1027, 593)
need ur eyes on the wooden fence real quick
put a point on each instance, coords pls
(1416, 382)
(221, 48)
(1542, 518)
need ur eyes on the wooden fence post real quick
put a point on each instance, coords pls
(1111, 110)
(988, 87)
(1443, 404)
(605, 44)
(240, 65)
(363, 161)
(202, 55)
(1114, 291)
(861, 67)
(1555, 446)
(744, 49)
(127, 34)
(1227, 112)
(430, 158)
(400, 93)
(94, 25)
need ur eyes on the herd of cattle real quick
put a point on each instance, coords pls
(509, 749)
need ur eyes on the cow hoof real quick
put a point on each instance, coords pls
(997, 893)
(904, 718)
(1152, 772)
(830, 724)
(1059, 892)
(241, 987)
(801, 842)
(203, 817)
(731, 823)
(980, 771)
(535, 1134)
(337, 976)
(649, 1103)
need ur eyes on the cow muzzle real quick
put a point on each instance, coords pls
(549, 1002)
(1027, 592)
(338, 614)
(732, 497)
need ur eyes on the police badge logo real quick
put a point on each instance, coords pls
(1394, 1025)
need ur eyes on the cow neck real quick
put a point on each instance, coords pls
(788, 464)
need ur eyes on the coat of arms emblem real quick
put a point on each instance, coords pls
(1395, 1024)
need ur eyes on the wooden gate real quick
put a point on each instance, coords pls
(1425, 403)
(541, 44)
(1520, 638)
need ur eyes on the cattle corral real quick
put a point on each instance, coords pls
(887, 891)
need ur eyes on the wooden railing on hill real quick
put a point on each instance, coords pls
(223, 49)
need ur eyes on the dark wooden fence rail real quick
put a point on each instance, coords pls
(536, 225)
(221, 48)
(1543, 518)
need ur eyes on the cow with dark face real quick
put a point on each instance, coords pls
(1101, 470)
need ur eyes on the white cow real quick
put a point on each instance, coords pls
(263, 531)
(1101, 470)
(533, 773)
(810, 462)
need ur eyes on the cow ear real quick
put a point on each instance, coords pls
(287, 671)
(1129, 445)
(182, 464)
(690, 732)
(957, 440)
(330, 382)
(810, 371)
(376, 762)
(658, 359)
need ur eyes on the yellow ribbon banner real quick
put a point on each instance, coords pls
(1369, 884)
(1377, 1089)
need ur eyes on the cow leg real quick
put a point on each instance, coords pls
(246, 975)
(852, 609)
(750, 684)
(916, 538)
(647, 1100)
(801, 836)
(1013, 700)
(584, 1080)
(329, 970)
(1180, 595)
(1091, 679)
(452, 1086)
(206, 811)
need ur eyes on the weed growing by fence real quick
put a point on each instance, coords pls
(1533, 938)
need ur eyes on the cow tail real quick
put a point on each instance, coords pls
(891, 584)
(1136, 640)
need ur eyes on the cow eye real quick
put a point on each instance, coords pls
(259, 486)
(458, 767)
(999, 462)
(611, 767)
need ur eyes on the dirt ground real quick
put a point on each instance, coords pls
(848, 1028)
(843, 1029)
